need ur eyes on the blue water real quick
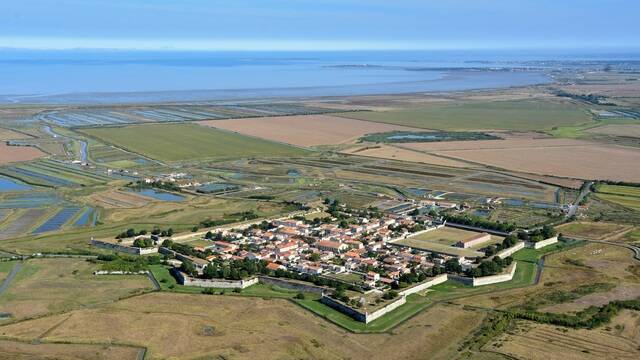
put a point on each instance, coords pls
(129, 76)
(84, 219)
(159, 195)
(7, 184)
(57, 220)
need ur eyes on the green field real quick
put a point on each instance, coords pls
(481, 115)
(627, 196)
(175, 142)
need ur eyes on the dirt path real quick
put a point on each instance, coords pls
(12, 274)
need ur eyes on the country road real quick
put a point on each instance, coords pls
(12, 274)
(586, 189)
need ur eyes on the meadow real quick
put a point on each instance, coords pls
(45, 286)
(238, 327)
(304, 130)
(591, 230)
(627, 196)
(176, 142)
(483, 115)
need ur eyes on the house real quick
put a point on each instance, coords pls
(474, 240)
(274, 267)
(331, 246)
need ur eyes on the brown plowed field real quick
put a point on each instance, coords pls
(9, 154)
(587, 161)
(305, 130)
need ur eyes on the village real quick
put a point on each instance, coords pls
(363, 262)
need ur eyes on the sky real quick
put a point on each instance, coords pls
(318, 24)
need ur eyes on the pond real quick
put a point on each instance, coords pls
(518, 202)
(159, 195)
(7, 184)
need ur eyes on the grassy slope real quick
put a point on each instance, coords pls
(174, 142)
(503, 115)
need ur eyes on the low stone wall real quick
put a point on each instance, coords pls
(540, 244)
(345, 309)
(425, 285)
(186, 280)
(285, 283)
(387, 309)
(486, 280)
(510, 251)
(123, 248)
(358, 315)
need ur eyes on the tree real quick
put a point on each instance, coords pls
(389, 295)
(300, 296)
(208, 235)
(314, 257)
(453, 266)
(188, 267)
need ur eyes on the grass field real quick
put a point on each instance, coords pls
(175, 142)
(590, 230)
(199, 326)
(481, 115)
(627, 196)
(46, 286)
(442, 240)
(15, 350)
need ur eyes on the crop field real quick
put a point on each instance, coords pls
(305, 130)
(21, 223)
(53, 173)
(483, 115)
(7, 134)
(58, 220)
(402, 154)
(627, 196)
(188, 142)
(111, 156)
(589, 161)
(526, 143)
(542, 342)
(118, 199)
(617, 130)
(591, 230)
(141, 114)
(32, 199)
(45, 286)
(220, 325)
(12, 154)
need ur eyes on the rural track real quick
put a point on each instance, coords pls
(10, 277)
(154, 281)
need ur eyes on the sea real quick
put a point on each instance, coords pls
(109, 76)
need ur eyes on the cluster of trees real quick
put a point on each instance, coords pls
(508, 242)
(390, 295)
(479, 222)
(129, 233)
(143, 243)
(164, 185)
(115, 262)
(185, 249)
(490, 267)
(590, 98)
(234, 270)
(547, 231)
(231, 218)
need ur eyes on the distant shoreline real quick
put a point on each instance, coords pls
(462, 79)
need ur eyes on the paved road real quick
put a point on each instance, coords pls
(586, 189)
(12, 274)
